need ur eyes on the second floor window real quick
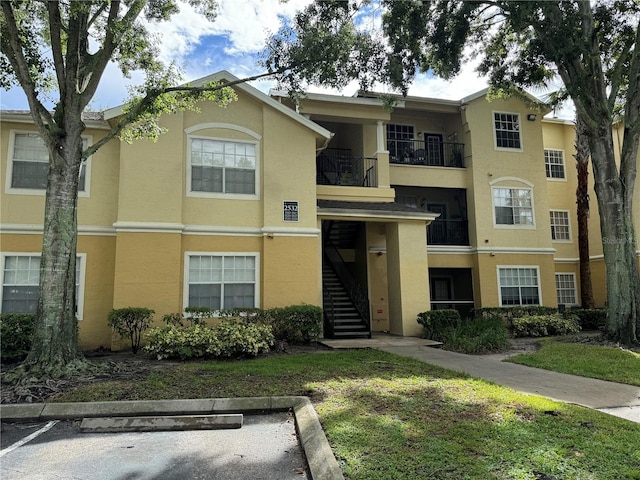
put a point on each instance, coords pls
(220, 166)
(30, 163)
(507, 130)
(513, 206)
(554, 163)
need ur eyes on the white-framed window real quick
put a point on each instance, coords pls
(28, 165)
(566, 289)
(560, 227)
(221, 280)
(396, 131)
(513, 206)
(222, 167)
(519, 285)
(507, 130)
(554, 164)
(20, 283)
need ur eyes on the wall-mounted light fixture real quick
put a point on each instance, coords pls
(531, 117)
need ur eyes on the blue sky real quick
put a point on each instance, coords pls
(232, 43)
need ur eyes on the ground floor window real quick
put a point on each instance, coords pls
(566, 288)
(20, 283)
(519, 286)
(221, 281)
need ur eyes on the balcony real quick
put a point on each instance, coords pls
(448, 232)
(336, 166)
(431, 153)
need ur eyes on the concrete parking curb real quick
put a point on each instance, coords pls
(322, 463)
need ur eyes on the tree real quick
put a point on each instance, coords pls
(582, 210)
(590, 45)
(63, 47)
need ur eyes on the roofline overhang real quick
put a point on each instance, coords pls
(26, 118)
(224, 75)
(330, 98)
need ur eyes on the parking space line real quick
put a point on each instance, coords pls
(27, 439)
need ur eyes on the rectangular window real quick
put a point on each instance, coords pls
(222, 281)
(20, 283)
(559, 225)
(507, 130)
(518, 286)
(554, 163)
(400, 142)
(566, 288)
(222, 166)
(30, 163)
(513, 206)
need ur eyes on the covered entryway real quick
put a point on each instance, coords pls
(375, 268)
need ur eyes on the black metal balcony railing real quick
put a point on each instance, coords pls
(417, 152)
(448, 232)
(336, 166)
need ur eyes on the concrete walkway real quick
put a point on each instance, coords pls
(613, 398)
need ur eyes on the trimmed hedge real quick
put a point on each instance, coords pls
(590, 319)
(508, 313)
(229, 339)
(16, 331)
(296, 324)
(544, 325)
(437, 322)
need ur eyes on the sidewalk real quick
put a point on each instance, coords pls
(613, 398)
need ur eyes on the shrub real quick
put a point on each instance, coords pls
(130, 322)
(483, 335)
(590, 318)
(229, 339)
(437, 322)
(16, 330)
(296, 324)
(197, 315)
(544, 325)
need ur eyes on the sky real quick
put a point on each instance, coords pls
(232, 42)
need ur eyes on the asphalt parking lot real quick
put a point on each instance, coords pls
(266, 447)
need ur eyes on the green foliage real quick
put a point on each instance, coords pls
(229, 339)
(130, 322)
(544, 325)
(590, 318)
(296, 324)
(437, 322)
(509, 313)
(477, 336)
(16, 330)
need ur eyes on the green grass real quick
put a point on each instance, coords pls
(605, 363)
(391, 417)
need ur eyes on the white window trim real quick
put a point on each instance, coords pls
(495, 137)
(514, 226)
(536, 267)
(36, 191)
(564, 166)
(575, 288)
(568, 212)
(412, 125)
(185, 277)
(224, 196)
(82, 257)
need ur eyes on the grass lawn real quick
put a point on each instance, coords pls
(391, 417)
(606, 363)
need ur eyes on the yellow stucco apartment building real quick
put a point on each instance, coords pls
(337, 201)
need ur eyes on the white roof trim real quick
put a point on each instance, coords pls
(248, 89)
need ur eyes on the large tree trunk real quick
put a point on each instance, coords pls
(618, 240)
(582, 201)
(55, 345)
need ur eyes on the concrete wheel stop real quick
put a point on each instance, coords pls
(161, 423)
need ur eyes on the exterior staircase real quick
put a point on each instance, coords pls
(347, 321)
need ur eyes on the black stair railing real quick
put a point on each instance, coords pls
(356, 293)
(328, 306)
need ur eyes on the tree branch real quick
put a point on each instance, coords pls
(55, 22)
(15, 55)
(151, 96)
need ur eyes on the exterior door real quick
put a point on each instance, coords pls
(433, 146)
